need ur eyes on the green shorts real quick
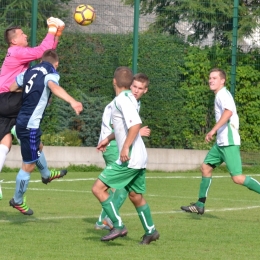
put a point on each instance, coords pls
(120, 176)
(228, 154)
(111, 154)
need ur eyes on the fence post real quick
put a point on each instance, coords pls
(135, 36)
(234, 48)
(34, 24)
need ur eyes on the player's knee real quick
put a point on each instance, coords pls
(98, 188)
(135, 198)
(95, 189)
(28, 167)
(7, 141)
(206, 170)
(239, 179)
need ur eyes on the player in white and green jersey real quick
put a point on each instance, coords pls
(129, 170)
(139, 87)
(227, 146)
(110, 155)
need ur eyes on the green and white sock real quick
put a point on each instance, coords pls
(103, 214)
(101, 217)
(204, 188)
(120, 197)
(252, 184)
(112, 212)
(145, 216)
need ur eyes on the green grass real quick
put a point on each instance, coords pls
(65, 212)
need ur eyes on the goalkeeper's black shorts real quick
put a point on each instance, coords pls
(10, 104)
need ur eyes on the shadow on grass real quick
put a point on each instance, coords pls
(97, 234)
(15, 217)
(200, 217)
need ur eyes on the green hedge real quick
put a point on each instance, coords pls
(179, 107)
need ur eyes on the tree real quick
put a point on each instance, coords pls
(87, 124)
(19, 12)
(203, 17)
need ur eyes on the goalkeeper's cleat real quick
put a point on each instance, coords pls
(1, 194)
(101, 227)
(193, 208)
(54, 175)
(108, 222)
(23, 208)
(147, 239)
(115, 233)
(13, 132)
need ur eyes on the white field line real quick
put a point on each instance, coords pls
(146, 195)
(58, 190)
(148, 177)
(34, 219)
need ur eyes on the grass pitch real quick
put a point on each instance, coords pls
(65, 212)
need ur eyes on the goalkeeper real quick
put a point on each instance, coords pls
(17, 60)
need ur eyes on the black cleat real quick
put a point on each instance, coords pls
(23, 208)
(54, 175)
(115, 233)
(193, 208)
(147, 239)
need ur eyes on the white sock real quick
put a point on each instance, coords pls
(3, 153)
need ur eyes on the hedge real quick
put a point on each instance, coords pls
(179, 108)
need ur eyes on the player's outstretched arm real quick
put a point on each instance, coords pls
(62, 93)
(145, 131)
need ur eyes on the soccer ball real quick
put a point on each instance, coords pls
(84, 15)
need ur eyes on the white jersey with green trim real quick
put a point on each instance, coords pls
(227, 134)
(106, 127)
(125, 115)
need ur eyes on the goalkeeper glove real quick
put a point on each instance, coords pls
(61, 26)
(53, 25)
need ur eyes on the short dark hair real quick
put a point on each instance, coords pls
(141, 77)
(10, 33)
(124, 77)
(50, 56)
(221, 72)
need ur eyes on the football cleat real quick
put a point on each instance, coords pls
(13, 132)
(23, 208)
(115, 233)
(54, 175)
(193, 208)
(101, 227)
(108, 222)
(147, 239)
